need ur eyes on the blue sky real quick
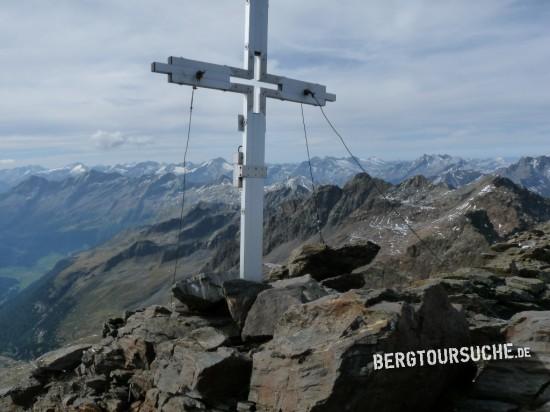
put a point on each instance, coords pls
(460, 77)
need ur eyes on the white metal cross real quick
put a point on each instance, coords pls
(250, 166)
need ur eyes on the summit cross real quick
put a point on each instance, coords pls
(250, 170)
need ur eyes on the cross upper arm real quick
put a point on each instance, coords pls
(201, 74)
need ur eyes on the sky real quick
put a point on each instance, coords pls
(467, 78)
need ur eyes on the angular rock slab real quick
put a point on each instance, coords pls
(201, 292)
(533, 286)
(321, 356)
(323, 262)
(220, 376)
(61, 360)
(272, 303)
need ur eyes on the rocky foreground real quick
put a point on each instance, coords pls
(305, 342)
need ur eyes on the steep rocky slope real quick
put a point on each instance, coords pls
(456, 226)
(40, 216)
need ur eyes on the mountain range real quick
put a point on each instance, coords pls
(454, 171)
(119, 222)
(52, 212)
(456, 226)
(329, 170)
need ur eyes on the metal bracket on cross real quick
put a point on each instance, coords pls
(250, 170)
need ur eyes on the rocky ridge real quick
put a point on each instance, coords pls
(297, 344)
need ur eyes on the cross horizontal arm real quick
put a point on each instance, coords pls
(215, 76)
(201, 74)
(297, 91)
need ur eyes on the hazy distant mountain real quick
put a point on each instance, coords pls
(11, 177)
(208, 172)
(41, 216)
(327, 170)
(530, 172)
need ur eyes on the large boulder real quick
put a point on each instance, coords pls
(201, 292)
(521, 383)
(240, 295)
(61, 360)
(272, 303)
(323, 262)
(221, 376)
(321, 356)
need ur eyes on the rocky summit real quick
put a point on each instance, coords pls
(298, 343)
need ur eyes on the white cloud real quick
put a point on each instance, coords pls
(111, 140)
(108, 140)
(7, 162)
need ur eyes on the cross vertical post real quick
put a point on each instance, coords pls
(252, 196)
(250, 172)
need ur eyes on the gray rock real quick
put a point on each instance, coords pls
(344, 283)
(508, 293)
(157, 324)
(181, 403)
(240, 294)
(138, 353)
(485, 330)
(503, 247)
(61, 360)
(277, 272)
(272, 303)
(97, 383)
(86, 404)
(521, 382)
(220, 376)
(209, 338)
(202, 292)
(372, 297)
(25, 392)
(533, 286)
(323, 262)
(540, 253)
(140, 383)
(111, 326)
(321, 356)
(102, 359)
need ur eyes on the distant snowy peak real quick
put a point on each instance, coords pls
(293, 183)
(78, 169)
(62, 173)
